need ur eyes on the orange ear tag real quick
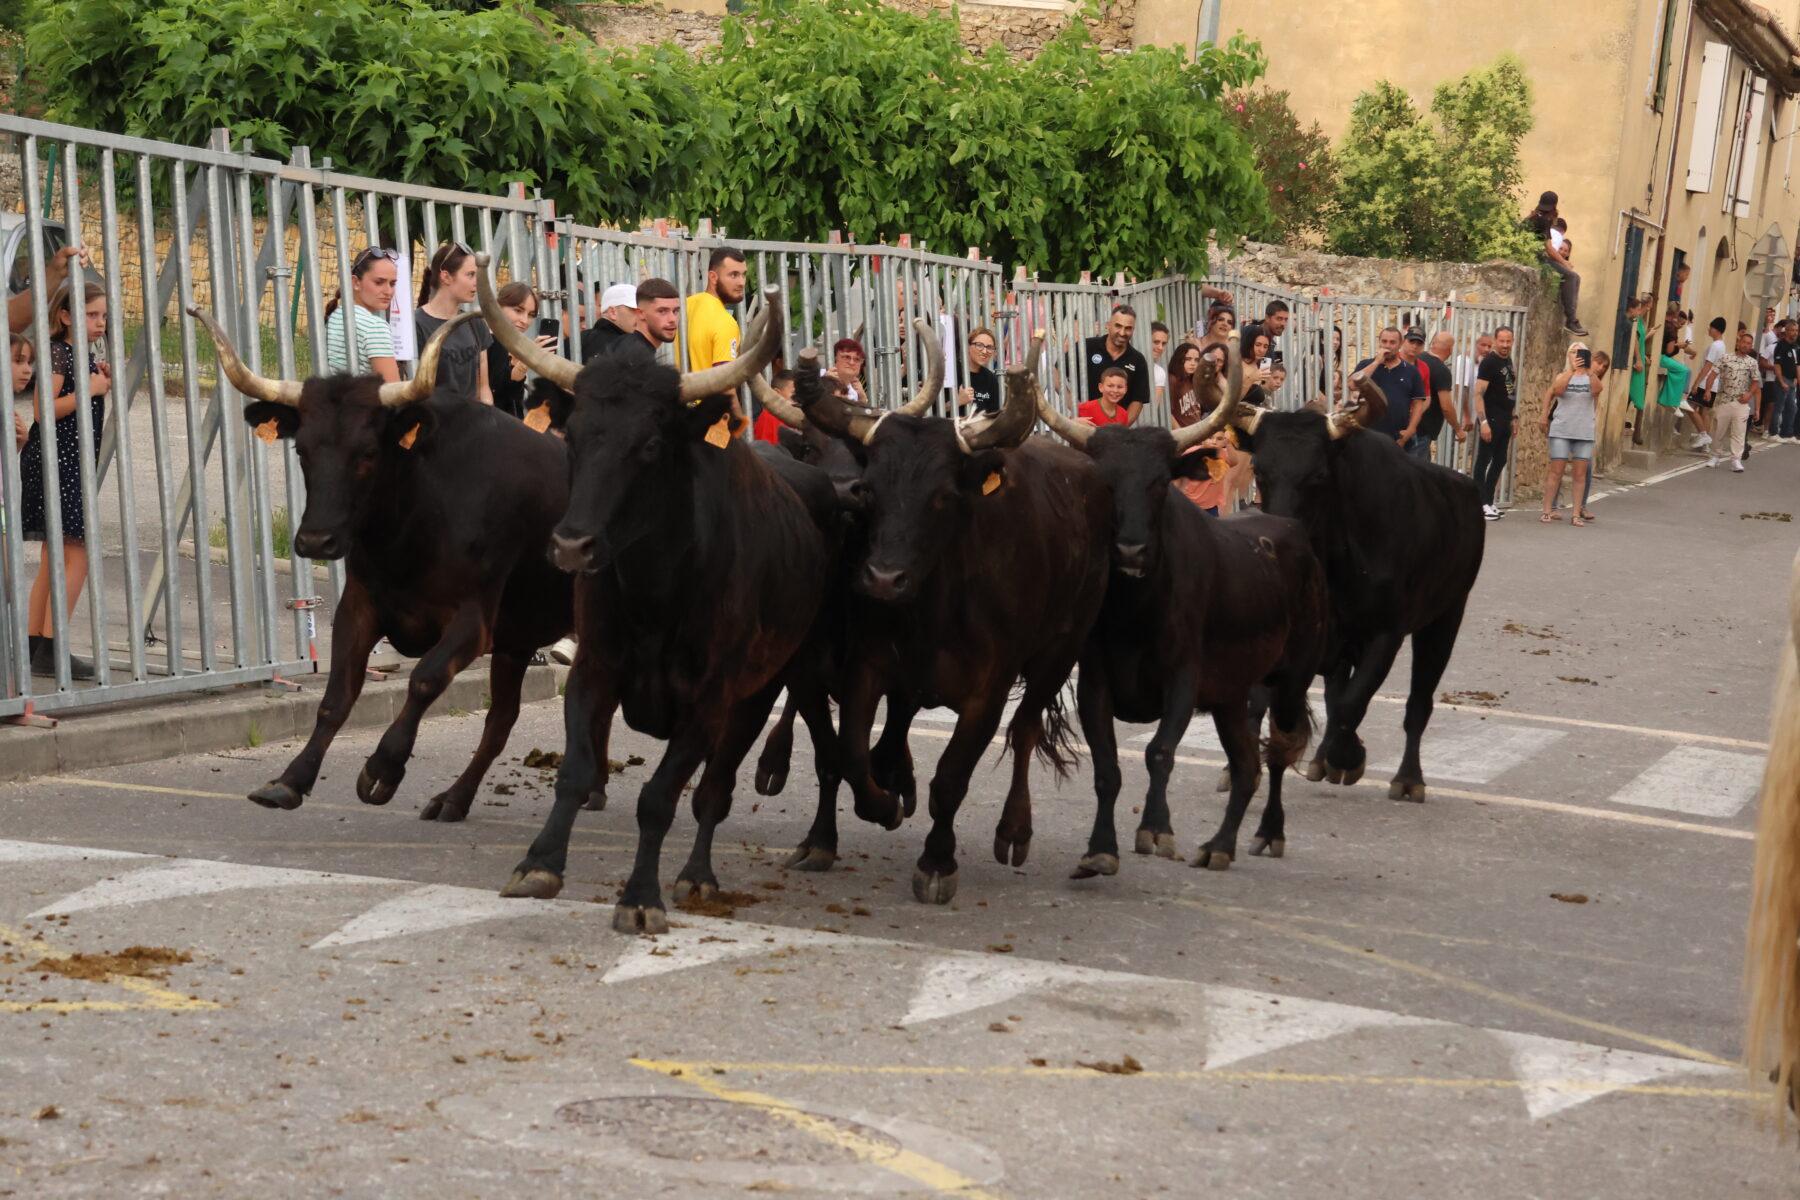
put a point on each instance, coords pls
(991, 484)
(720, 434)
(269, 431)
(412, 435)
(538, 419)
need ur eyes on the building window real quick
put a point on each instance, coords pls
(1709, 114)
(1664, 55)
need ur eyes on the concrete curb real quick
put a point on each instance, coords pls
(204, 724)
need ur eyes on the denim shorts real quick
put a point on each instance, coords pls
(1582, 448)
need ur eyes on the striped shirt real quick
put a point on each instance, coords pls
(373, 340)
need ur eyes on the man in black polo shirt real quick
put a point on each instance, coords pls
(1113, 349)
(1398, 380)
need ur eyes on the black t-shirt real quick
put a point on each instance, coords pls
(1438, 380)
(461, 354)
(986, 386)
(508, 393)
(1787, 359)
(1137, 370)
(1401, 385)
(600, 339)
(1498, 372)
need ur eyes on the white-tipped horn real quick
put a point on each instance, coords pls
(554, 367)
(257, 387)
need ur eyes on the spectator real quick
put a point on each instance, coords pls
(372, 279)
(56, 273)
(618, 317)
(449, 284)
(1466, 366)
(1398, 380)
(1679, 288)
(506, 375)
(1635, 313)
(1675, 375)
(1569, 424)
(1110, 407)
(1734, 387)
(1700, 398)
(658, 320)
(1220, 321)
(1496, 387)
(712, 332)
(1185, 405)
(1412, 348)
(1560, 229)
(24, 370)
(1787, 383)
(1114, 349)
(980, 392)
(1542, 222)
(847, 359)
(1274, 323)
(34, 503)
(768, 425)
(1765, 360)
(1440, 404)
(1159, 342)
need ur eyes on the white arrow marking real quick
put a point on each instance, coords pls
(1698, 780)
(13, 852)
(1559, 1074)
(968, 982)
(1243, 1024)
(436, 906)
(703, 940)
(1479, 752)
(190, 877)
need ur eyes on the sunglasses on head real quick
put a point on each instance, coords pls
(373, 253)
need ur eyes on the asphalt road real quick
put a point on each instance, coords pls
(1528, 986)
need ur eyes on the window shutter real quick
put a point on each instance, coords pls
(1708, 112)
(1746, 176)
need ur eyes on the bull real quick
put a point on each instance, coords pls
(701, 562)
(985, 564)
(441, 510)
(1199, 612)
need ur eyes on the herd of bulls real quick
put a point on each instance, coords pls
(877, 556)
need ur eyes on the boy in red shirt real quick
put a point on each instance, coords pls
(1109, 409)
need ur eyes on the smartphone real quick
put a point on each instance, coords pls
(1266, 364)
(1584, 358)
(549, 327)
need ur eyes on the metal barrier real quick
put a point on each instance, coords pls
(169, 469)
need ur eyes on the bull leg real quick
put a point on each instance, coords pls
(1094, 705)
(1431, 647)
(506, 680)
(777, 753)
(712, 796)
(1342, 751)
(640, 907)
(818, 850)
(934, 878)
(1155, 832)
(463, 641)
(588, 704)
(354, 632)
(1239, 739)
(891, 764)
(855, 719)
(1259, 706)
(1337, 678)
(1289, 729)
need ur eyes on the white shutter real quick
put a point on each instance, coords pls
(1709, 110)
(1753, 132)
(1728, 185)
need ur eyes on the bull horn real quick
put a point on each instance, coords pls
(424, 380)
(554, 367)
(1187, 438)
(835, 416)
(920, 404)
(257, 387)
(784, 410)
(1012, 424)
(757, 352)
(1369, 407)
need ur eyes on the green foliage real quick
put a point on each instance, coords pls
(390, 88)
(1295, 163)
(1440, 190)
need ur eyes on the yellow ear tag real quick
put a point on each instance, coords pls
(538, 419)
(412, 435)
(991, 484)
(269, 431)
(720, 434)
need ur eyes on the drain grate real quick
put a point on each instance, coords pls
(698, 1129)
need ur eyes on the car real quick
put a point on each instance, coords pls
(15, 252)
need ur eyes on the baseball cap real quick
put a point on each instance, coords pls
(617, 294)
(1415, 334)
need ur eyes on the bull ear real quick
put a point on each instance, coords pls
(410, 422)
(982, 472)
(1196, 464)
(701, 416)
(285, 418)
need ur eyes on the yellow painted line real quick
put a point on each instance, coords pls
(906, 1163)
(1672, 735)
(1478, 989)
(699, 1072)
(155, 997)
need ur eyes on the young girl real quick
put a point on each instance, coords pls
(372, 279)
(68, 470)
(24, 370)
(448, 285)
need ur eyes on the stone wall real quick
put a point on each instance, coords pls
(1539, 359)
(649, 24)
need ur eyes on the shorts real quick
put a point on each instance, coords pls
(1582, 448)
(1699, 399)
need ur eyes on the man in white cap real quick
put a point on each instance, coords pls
(618, 317)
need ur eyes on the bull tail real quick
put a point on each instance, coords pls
(1772, 956)
(1290, 728)
(1056, 744)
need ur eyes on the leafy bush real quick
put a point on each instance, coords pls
(1440, 191)
(1295, 163)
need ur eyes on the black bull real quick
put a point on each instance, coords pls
(441, 510)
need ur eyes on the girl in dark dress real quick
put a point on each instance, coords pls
(68, 472)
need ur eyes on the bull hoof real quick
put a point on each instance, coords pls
(700, 890)
(371, 790)
(532, 885)
(933, 888)
(1224, 784)
(811, 858)
(632, 918)
(1160, 844)
(1407, 789)
(276, 794)
(1315, 770)
(1273, 847)
(596, 802)
(1344, 775)
(1095, 864)
(770, 780)
(1011, 851)
(888, 817)
(909, 799)
(1211, 859)
(442, 807)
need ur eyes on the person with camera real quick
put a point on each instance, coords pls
(1398, 380)
(506, 374)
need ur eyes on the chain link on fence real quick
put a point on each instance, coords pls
(192, 581)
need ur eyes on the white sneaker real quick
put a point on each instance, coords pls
(1489, 512)
(1713, 462)
(1736, 465)
(563, 651)
(1704, 439)
(1687, 408)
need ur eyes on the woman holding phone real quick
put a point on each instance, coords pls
(1569, 424)
(506, 374)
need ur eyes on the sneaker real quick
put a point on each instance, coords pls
(1705, 439)
(1737, 466)
(1490, 513)
(1685, 407)
(1575, 328)
(563, 651)
(1713, 462)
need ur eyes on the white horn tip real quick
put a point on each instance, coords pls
(483, 259)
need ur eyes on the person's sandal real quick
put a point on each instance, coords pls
(1588, 516)
(1578, 522)
(1550, 516)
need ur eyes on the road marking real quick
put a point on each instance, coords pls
(31, 852)
(1478, 752)
(1243, 1024)
(1558, 1074)
(704, 941)
(191, 877)
(963, 984)
(1200, 735)
(1673, 735)
(1477, 989)
(1695, 779)
(433, 907)
(908, 1164)
(697, 1071)
(153, 996)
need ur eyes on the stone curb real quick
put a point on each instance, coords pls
(201, 725)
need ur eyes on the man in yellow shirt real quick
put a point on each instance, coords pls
(712, 332)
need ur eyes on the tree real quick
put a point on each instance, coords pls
(1443, 191)
(1295, 163)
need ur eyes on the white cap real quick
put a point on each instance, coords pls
(619, 294)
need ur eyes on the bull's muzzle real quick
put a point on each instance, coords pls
(885, 584)
(1132, 558)
(309, 543)
(571, 553)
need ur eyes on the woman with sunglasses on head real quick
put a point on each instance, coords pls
(448, 285)
(980, 393)
(372, 279)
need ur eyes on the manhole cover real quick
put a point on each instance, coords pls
(698, 1129)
